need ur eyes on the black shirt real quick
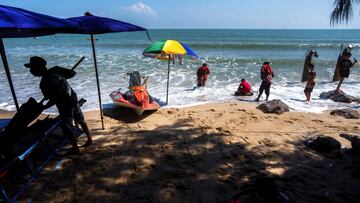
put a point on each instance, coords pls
(54, 86)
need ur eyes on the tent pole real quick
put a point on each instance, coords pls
(97, 81)
(167, 86)
(7, 70)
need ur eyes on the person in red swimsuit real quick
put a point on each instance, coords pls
(203, 73)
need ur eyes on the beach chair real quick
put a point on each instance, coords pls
(16, 127)
(27, 158)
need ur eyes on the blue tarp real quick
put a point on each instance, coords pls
(101, 25)
(17, 22)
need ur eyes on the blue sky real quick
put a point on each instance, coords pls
(242, 14)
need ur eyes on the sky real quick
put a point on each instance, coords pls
(201, 14)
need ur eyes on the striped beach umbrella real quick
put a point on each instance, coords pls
(168, 49)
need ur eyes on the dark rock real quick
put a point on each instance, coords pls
(355, 142)
(268, 190)
(322, 143)
(339, 97)
(346, 113)
(274, 106)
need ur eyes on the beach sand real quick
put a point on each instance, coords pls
(206, 153)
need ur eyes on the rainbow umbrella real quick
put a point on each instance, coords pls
(168, 49)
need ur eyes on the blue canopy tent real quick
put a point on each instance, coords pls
(89, 24)
(17, 22)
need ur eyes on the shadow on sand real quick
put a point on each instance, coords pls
(175, 163)
(126, 115)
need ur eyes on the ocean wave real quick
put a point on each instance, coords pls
(229, 46)
(230, 59)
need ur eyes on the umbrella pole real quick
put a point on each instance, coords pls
(167, 86)
(97, 80)
(7, 70)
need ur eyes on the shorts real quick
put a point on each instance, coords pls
(344, 72)
(71, 112)
(78, 115)
(265, 85)
(308, 89)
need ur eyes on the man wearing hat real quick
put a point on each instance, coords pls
(57, 90)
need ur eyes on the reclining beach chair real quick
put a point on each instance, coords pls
(16, 128)
(25, 159)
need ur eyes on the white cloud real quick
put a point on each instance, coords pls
(142, 8)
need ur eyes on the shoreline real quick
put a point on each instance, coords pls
(317, 105)
(208, 152)
(91, 113)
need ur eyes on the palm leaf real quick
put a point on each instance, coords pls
(343, 11)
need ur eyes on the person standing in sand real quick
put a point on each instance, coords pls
(57, 90)
(202, 73)
(344, 66)
(310, 82)
(266, 75)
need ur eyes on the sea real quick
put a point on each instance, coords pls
(232, 54)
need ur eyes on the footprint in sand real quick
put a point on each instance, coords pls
(295, 119)
(191, 112)
(317, 121)
(269, 143)
(245, 139)
(219, 114)
(223, 130)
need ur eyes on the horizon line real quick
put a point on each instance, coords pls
(255, 28)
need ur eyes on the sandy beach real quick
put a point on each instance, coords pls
(205, 67)
(206, 153)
